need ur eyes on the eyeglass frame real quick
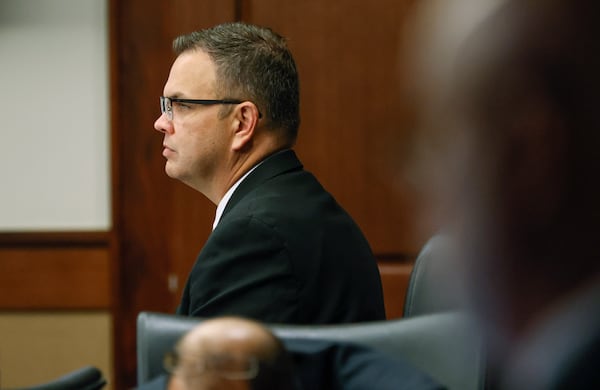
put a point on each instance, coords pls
(171, 362)
(168, 102)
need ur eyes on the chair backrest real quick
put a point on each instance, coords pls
(435, 284)
(442, 345)
(85, 378)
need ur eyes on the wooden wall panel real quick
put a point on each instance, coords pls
(394, 278)
(54, 278)
(55, 270)
(353, 129)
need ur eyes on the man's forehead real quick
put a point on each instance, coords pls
(192, 75)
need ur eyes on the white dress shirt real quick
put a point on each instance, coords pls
(223, 202)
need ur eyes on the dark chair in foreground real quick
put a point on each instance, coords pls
(442, 345)
(86, 378)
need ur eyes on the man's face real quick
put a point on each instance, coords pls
(192, 373)
(196, 140)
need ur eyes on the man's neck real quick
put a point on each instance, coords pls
(225, 199)
(239, 165)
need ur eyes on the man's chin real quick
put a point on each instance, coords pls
(170, 171)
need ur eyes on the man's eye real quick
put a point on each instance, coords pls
(181, 106)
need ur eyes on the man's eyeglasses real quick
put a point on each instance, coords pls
(226, 366)
(166, 103)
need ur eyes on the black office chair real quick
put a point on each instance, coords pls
(435, 285)
(442, 345)
(86, 378)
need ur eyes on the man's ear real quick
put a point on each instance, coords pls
(246, 116)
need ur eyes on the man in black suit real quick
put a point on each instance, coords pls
(282, 249)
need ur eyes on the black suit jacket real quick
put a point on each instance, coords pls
(285, 251)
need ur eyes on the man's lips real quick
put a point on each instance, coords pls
(167, 150)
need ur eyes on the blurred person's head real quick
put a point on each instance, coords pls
(230, 353)
(516, 124)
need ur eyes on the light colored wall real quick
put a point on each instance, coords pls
(39, 347)
(54, 163)
(54, 167)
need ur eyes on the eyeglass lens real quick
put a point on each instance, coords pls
(166, 107)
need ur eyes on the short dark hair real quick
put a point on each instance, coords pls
(252, 63)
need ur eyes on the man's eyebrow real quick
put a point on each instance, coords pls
(175, 95)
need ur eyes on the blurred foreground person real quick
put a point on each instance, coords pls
(230, 353)
(236, 353)
(516, 123)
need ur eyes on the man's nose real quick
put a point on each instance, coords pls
(163, 124)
